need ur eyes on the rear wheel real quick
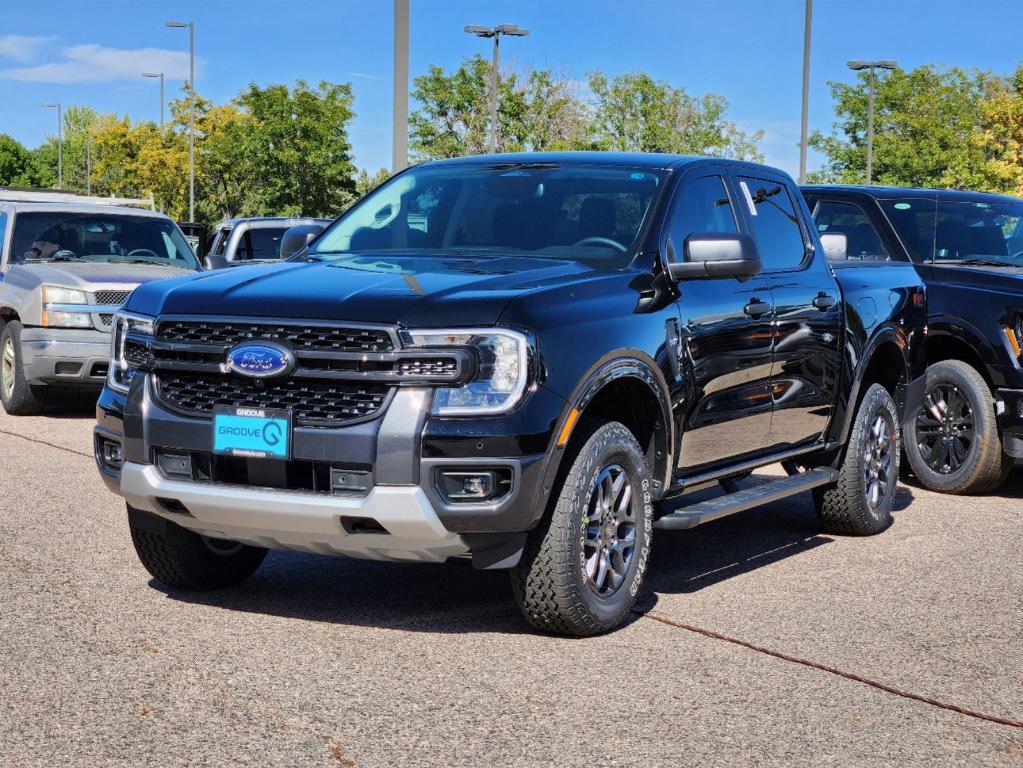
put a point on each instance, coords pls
(953, 444)
(19, 398)
(183, 559)
(860, 502)
(583, 565)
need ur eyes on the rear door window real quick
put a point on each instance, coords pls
(913, 221)
(775, 223)
(261, 244)
(863, 241)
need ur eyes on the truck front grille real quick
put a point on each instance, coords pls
(313, 402)
(310, 337)
(112, 298)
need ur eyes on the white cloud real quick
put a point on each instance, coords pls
(368, 76)
(22, 47)
(99, 64)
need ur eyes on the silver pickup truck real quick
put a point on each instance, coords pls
(66, 265)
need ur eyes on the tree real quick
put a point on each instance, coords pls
(296, 142)
(928, 130)
(1002, 115)
(554, 118)
(366, 182)
(15, 162)
(635, 113)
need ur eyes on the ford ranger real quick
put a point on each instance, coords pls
(526, 360)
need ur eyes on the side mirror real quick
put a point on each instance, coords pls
(214, 261)
(713, 255)
(298, 237)
(836, 246)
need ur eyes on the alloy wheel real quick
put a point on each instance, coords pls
(944, 429)
(610, 543)
(879, 461)
(8, 361)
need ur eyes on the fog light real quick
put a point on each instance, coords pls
(175, 465)
(477, 486)
(112, 456)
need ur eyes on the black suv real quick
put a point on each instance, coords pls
(968, 248)
(528, 360)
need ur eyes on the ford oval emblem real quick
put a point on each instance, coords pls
(260, 359)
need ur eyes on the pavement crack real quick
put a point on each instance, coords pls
(44, 442)
(833, 671)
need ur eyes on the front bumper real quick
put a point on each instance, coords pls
(401, 514)
(1009, 410)
(65, 356)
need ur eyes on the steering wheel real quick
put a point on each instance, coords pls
(143, 252)
(1017, 255)
(602, 241)
(64, 253)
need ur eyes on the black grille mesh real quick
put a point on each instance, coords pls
(313, 403)
(112, 297)
(328, 338)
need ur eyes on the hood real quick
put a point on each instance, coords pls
(1008, 279)
(86, 275)
(409, 290)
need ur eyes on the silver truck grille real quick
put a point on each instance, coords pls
(111, 298)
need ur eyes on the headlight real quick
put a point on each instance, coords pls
(502, 371)
(140, 329)
(54, 294)
(55, 316)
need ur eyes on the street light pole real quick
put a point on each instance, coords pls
(870, 66)
(805, 117)
(495, 33)
(60, 143)
(399, 88)
(159, 75)
(190, 25)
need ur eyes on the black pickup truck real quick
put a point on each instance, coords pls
(527, 360)
(968, 248)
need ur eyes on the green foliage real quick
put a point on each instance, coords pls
(365, 182)
(15, 162)
(933, 127)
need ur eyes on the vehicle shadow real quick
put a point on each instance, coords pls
(455, 598)
(70, 403)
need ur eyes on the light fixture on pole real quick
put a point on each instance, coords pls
(857, 66)
(159, 75)
(60, 143)
(512, 30)
(190, 26)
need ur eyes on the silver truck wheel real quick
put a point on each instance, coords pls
(19, 398)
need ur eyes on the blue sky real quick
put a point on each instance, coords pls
(93, 51)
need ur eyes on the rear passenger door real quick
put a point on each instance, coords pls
(726, 328)
(807, 310)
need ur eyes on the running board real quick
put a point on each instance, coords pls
(746, 498)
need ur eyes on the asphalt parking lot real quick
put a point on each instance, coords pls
(324, 662)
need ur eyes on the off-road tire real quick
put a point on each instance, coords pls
(843, 506)
(182, 559)
(550, 582)
(986, 465)
(19, 398)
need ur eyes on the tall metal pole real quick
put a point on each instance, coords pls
(191, 121)
(805, 118)
(60, 148)
(399, 85)
(88, 160)
(493, 92)
(162, 102)
(870, 128)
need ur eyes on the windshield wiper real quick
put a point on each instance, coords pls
(986, 262)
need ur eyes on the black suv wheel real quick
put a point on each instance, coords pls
(953, 444)
(584, 564)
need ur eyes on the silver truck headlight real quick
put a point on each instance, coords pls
(58, 308)
(502, 370)
(138, 327)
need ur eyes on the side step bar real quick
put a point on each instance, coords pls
(746, 498)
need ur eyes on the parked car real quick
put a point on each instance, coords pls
(968, 248)
(66, 265)
(525, 359)
(242, 241)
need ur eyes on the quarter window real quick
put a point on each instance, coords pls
(862, 238)
(775, 224)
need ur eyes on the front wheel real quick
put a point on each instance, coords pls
(953, 444)
(19, 398)
(583, 565)
(860, 502)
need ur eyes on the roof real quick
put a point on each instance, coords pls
(886, 193)
(653, 160)
(120, 210)
(270, 220)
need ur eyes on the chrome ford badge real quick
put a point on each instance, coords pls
(260, 359)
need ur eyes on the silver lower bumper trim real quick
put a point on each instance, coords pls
(305, 521)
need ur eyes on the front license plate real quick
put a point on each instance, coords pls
(254, 433)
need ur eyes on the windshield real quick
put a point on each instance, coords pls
(969, 232)
(56, 236)
(588, 213)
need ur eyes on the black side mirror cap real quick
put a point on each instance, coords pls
(298, 237)
(715, 255)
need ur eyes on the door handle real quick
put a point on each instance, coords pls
(823, 301)
(756, 307)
